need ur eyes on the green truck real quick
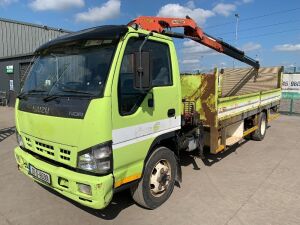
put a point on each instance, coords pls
(106, 109)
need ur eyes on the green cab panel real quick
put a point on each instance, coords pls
(61, 138)
(134, 132)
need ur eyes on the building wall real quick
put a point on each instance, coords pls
(18, 38)
(15, 76)
(18, 41)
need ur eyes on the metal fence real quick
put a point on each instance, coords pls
(290, 106)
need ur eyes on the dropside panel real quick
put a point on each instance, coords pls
(242, 81)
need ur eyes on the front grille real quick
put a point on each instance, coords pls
(48, 149)
(28, 141)
(65, 154)
(57, 152)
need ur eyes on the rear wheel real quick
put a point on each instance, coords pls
(259, 134)
(158, 180)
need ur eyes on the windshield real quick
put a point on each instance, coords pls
(78, 68)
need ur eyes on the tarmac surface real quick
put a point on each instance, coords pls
(254, 183)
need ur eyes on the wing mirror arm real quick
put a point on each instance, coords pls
(140, 69)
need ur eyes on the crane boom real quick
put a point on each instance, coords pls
(162, 25)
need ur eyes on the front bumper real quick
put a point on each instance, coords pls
(102, 187)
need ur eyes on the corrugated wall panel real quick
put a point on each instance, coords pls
(1, 38)
(5, 39)
(20, 39)
(27, 40)
(39, 37)
(15, 39)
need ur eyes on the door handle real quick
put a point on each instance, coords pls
(171, 112)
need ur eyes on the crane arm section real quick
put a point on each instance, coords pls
(163, 25)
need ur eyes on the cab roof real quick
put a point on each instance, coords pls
(100, 32)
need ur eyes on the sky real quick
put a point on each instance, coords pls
(267, 30)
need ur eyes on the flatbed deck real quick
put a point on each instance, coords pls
(225, 98)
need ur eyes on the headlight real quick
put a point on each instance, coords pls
(97, 159)
(19, 139)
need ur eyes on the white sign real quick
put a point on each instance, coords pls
(11, 85)
(291, 82)
(10, 69)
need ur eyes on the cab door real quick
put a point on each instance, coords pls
(139, 117)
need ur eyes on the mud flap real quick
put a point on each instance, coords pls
(178, 177)
(201, 142)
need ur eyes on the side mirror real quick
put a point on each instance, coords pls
(142, 71)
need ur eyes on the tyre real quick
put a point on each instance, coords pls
(157, 183)
(259, 134)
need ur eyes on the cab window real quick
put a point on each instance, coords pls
(129, 98)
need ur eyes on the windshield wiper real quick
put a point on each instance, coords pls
(50, 98)
(78, 92)
(55, 96)
(25, 94)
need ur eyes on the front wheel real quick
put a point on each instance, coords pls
(158, 180)
(260, 133)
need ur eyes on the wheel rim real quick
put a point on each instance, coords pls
(160, 178)
(263, 126)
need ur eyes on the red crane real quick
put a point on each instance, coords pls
(163, 25)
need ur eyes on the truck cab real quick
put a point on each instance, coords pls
(86, 125)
